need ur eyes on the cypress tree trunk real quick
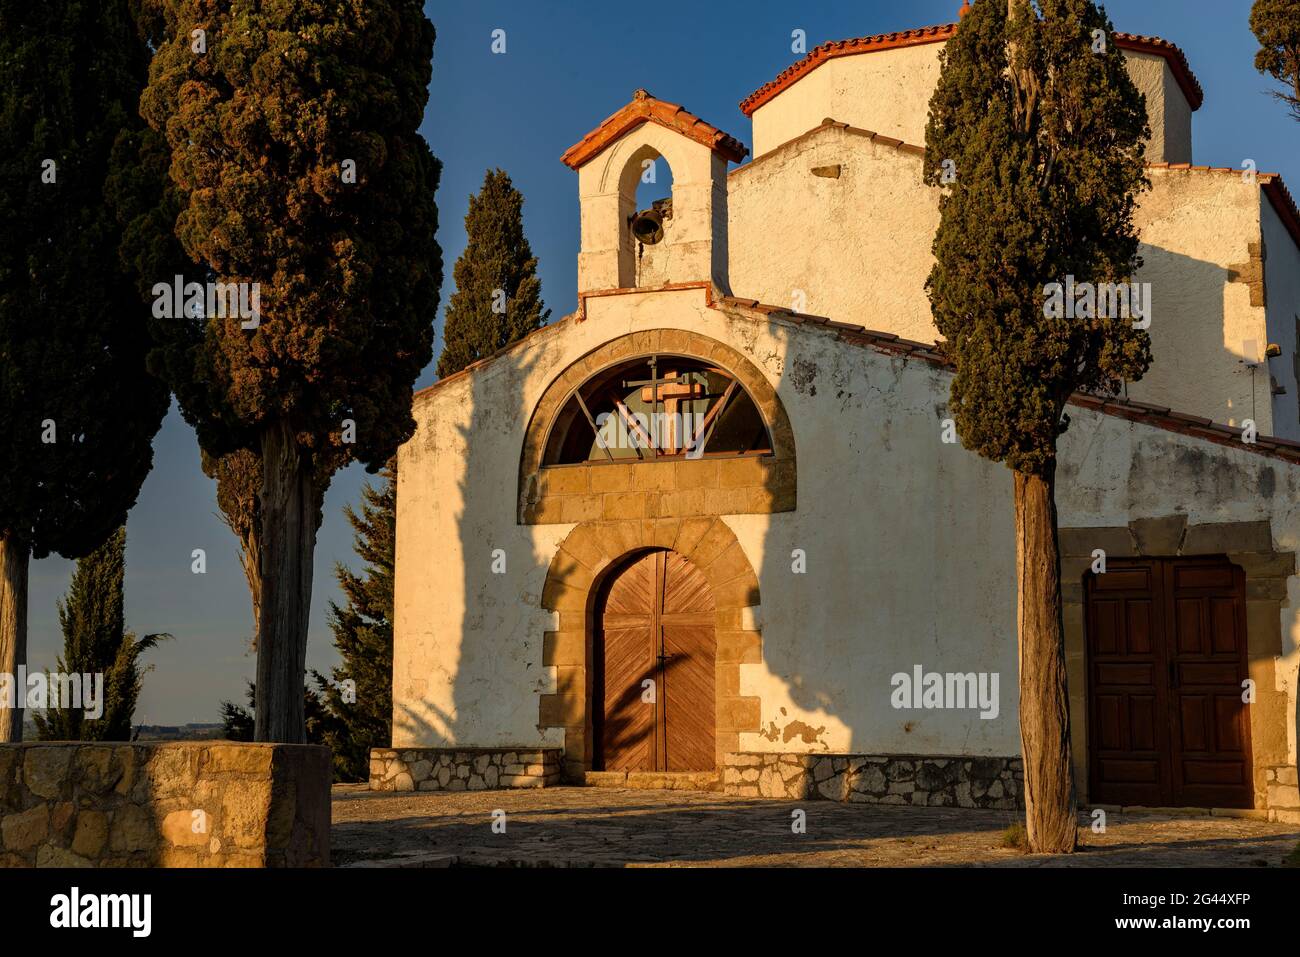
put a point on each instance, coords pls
(1050, 811)
(14, 556)
(288, 513)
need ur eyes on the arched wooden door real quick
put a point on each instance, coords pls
(654, 622)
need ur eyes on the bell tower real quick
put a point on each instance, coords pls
(684, 240)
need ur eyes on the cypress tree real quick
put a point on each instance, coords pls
(498, 297)
(96, 642)
(1276, 24)
(359, 697)
(295, 153)
(78, 411)
(1045, 132)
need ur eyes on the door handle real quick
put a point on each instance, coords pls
(1173, 674)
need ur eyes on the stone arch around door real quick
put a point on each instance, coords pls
(677, 487)
(580, 566)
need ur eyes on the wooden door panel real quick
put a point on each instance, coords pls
(1142, 774)
(1210, 751)
(1217, 774)
(1166, 649)
(1202, 575)
(1137, 631)
(655, 621)
(689, 700)
(1209, 674)
(1139, 675)
(1195, 729)
(1188, 622)
(1126, 709)
(624, 657)
(1135, 579)
(1223, 631)
(628, 723)
(689, 672)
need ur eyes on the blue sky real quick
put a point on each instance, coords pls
(567, 66)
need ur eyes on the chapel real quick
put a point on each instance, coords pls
(711, 529)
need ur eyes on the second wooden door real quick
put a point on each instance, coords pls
(1167, 662)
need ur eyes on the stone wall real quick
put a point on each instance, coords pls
(464, 769)
(877, 779)
(166, 804)
(1282, 789)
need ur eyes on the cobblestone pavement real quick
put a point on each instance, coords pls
(606, 827)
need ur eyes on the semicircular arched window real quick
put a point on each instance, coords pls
(657, 407)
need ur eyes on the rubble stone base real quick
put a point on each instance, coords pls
(877, 779)
(464, 769)
(164, 804)
(1283, 794)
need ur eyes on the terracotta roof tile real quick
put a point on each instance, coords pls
(645, 108)
(838, 48)
(1284, 203)
(939, 34)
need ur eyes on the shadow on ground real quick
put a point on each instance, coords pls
(600, 827)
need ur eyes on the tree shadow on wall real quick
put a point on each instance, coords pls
(474, 691)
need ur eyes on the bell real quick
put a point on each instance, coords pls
(648, 227)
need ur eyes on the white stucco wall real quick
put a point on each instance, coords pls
(1195, 226)
(854, 248)
(909, 541)
(467, 659)
(888, 91)
(467, 642)
(1177, 146)
(858, 249)
(1168, 112)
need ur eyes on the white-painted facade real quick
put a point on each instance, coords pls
(908, 539)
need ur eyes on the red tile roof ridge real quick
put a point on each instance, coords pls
(833, 49)
(837, 48)
(645, 108)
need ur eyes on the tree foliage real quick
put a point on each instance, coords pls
(96, 642)
(73, 331)
(298, 166)
(498, 297)
(259, 127)
(358, 696)
(78, 410)
(1047, 138)
(1276, 24)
